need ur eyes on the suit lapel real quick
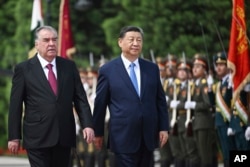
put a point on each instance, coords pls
(143, 76)
(60, 72)
(122, 72)
(38, 73)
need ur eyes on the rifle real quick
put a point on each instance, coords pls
(169, 59)
(91, 59)
(174, 130)
(152, 56)
(205, 46)
(189, 119)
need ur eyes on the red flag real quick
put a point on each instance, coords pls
(238, 56)
(65, 44)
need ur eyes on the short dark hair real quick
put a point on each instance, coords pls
(126, 29)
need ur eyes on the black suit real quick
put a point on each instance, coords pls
(48, 119)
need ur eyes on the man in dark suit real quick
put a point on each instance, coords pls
(138, 110)
(48, 120)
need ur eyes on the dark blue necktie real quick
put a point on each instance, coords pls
(133, 77)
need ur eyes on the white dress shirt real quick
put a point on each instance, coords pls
(44, 63)
(127, 63)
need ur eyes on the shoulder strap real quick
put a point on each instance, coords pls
(221, 105)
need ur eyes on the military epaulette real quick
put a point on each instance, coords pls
(177, 81)
(165, 82)
(191, 83)
(165, 85)
(203, 81)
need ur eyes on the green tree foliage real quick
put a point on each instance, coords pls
(173, 26)
(170, 26)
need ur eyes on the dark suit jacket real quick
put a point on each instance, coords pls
(48, 119)
(131, 117)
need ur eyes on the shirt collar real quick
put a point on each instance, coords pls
(197, 81)
(225, 78)
(44, 62)
(127, 63)
(170, 80)
(183, 84)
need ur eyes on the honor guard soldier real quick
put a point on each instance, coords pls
(247, 132)
(168, 151)
(92, 74)
(203, 123)
(161, 64)
(240, 118)
(170, 67)
(88, 78)
(222, 95)
(84, 151)
(189, 156)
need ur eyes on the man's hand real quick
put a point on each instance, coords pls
(98, 141)
(163, 138)
(14, 146)
(88, 135)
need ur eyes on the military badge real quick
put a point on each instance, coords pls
(203, 81)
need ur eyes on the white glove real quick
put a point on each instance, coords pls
(247, 87)
(190, 105)
(247, 133)
(172, 123)
(167, 98)
(230, 81)
(230, 132)
(174, 103)
(210, 80)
